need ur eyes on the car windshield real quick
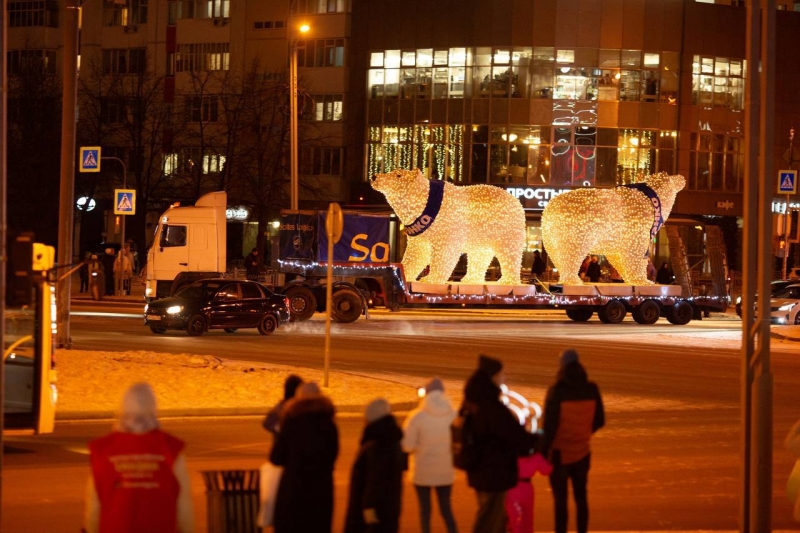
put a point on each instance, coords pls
(789, 293)
(198, 290)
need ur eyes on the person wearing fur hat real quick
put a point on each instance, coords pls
(139, 479)
(427, 438)
(306, 447)
(499, 441)
(376, 481)
(573, 412)
(272, 421)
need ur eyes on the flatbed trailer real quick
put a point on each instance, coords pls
(385, 284)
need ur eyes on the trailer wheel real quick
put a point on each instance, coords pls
(647, 312)
(302, 303)
(580, 315)
(612, 313)
(680, 314)
(346, 306)
(196, 326)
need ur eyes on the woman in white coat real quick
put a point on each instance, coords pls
(427, 439)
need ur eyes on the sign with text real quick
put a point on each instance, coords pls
(124, 202)
(787, 182)
(90, 158)
(365, 239)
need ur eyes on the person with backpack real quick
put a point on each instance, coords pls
(573, 412)
(488, 444)
(426, 438)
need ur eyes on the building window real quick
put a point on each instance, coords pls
(326, 108)
(33, 13)
(716, 162)
(213, 163)
(170, 163)
(202, 108)
(321, 6)
(31, 61)
(320, 53)
(202, 57)
(202, 9)
(438, 151)
(269, 25)
(718, 82)
(124, 61)
(322, 161)
(112, 111)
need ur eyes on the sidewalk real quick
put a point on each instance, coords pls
(785, 333)
(136, 296)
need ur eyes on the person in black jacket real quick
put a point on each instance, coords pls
(376, 481)
(272, 421)
(538, 267)
(251, 265)
(498, 439)
(593, 270)
(306, 448)
(664, 275)
(573, 412)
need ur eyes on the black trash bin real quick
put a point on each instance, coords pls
(232, 499)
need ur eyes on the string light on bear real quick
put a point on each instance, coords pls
(615, 223)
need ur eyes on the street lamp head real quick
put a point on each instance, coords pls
(304, 28)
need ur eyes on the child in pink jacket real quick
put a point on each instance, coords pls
(519, 500)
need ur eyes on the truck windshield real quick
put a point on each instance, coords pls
(173, 236)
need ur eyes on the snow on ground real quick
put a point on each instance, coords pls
(92, 383)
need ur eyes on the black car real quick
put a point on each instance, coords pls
(775, 286)
(226, 304)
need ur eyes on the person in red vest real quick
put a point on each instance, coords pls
(139, 481)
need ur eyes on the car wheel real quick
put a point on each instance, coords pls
(196, 326)
(797, 319)
(346, 306)
(158, 330)
(647, 312)
(302, 303)
(230, 330)
(268, 325)
(680, 314)
(580, 315)
(612, 313)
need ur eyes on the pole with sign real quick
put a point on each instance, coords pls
(787, 184)
(334, 223)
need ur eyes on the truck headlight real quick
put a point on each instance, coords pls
(146, 307)
(738, 300)
(174, 310)
(148, 291)
(787, 307)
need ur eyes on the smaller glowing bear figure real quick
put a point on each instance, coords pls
(618, 223)
(443, 221)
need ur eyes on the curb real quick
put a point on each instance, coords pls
(775, 335)
(226, 411)
(106, 301)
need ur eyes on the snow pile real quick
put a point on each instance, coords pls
(93, 383)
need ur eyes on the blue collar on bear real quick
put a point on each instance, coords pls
(658, 220)
(424, 221)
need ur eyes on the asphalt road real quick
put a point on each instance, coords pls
(667, 460)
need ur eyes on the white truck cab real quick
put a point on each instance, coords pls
(189, 244)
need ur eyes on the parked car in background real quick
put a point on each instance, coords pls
(784, 305)
(227, 304)
(775, 287)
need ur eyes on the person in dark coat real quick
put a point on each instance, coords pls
(593, 270)
(573, 412)
(664, 276)
(108, 267)
(306, 448)
(538, 264)
(272, 421)
(499, 440)
(251, 265)
(83, 272)
(376, 481)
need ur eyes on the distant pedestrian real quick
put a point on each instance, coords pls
(498, 441)
(573, 412)
(306, 448)
(272, 421)
(652, 272)
(376, 481)
(251, 265)
(123, 272)
(538, 267)
(427, 438)
(665, 276)
(139, 479)
(97, 279)
(83, 273)
(108, 267)
(593, 270)
(793, 486)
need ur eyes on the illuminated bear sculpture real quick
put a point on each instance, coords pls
(443, 221)
(618, 223)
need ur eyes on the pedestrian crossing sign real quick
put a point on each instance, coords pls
(90, 159)
(787, 182)
(124, 202)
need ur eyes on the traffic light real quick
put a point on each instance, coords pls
(18, 269)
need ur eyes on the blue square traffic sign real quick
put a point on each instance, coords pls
(124, 201)
(90, 159)
(787, 182)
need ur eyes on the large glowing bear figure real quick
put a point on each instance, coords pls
(618, 223)
(443, 221)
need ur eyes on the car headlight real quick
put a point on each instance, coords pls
(738, 300)
(174, 310)
(787, 307)
(146, 307)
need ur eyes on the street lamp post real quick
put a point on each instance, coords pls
(295, 193)
(124, 186)
(786, 212)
